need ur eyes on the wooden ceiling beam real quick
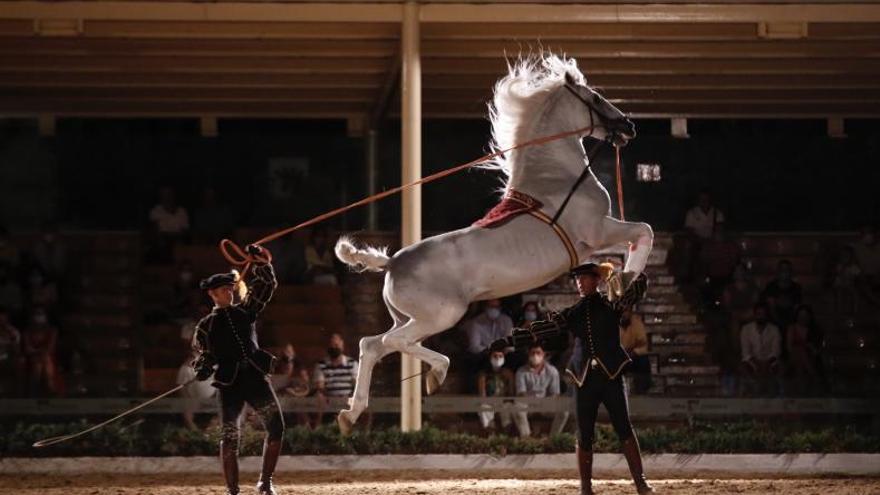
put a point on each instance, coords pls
(76, 79)
(596, 31)
(240, 29)
(292, 65)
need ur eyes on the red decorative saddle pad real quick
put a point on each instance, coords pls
(512, 204)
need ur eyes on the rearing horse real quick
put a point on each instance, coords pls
(429, 285)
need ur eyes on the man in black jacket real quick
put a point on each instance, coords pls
(596, 362)
(226, 340)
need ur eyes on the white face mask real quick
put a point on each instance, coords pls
(536, 360)
(530, 315)
(493, 313)
(497, 363)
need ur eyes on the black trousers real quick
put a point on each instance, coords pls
(251, 387)
(599, 389)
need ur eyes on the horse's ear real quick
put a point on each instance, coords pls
(569, 79)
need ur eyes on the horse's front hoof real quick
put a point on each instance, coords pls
(433, 380)
(345, 424)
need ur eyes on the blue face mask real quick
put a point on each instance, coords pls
(530, 315)
(493, 313)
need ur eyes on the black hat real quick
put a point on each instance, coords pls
(218, 280)
(591, 268)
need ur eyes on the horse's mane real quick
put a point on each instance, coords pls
(519, 95)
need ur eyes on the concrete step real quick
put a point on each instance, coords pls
(666, 350)
(656, 290)
(666, 309)
(670, 319)
(692, 381)
(691, 391)
(677, 338)
(679, 359)
(688, 370)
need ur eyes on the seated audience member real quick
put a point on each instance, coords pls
(867, 252)
(50, 253)
(761, 347)
(11, 296)
(488, 326)
(39, 345)
(737, 302)
(529, 314)
(494, 380)
(335, 375)
(320, 264)
(291, 379)
(9, 255)
(537, 378)
(782, 295)
(11, 363)
(42, 291)
(194, 392)
(212, 220)
(718, 260)
(804, 343)
(634, 340)
(844, 279)
(700, 222)
(169, 224)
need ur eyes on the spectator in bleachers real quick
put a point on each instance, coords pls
(11, 296)
(320, 264)
(291, 379)
(10, 356)
(719, 257)
(41, 291)
(486, 327)
(537, 378)
(700, 222)
(494, 380)
(782, 295)
(634, 340)
(867, 252)
(761, 348)
(8, 251)
(50, 253)
(529, 314)
(335, 375)
(844, 278)
(39, 345)
(737, 302)
(212, 220)
(169, 224)
(804, 343)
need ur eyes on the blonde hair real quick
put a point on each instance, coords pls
(240, 287)
(606, 270)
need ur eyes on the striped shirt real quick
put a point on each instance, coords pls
(338, 379)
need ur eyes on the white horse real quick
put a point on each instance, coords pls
(429, 285)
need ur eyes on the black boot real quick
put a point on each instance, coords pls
(229, 459)
(585, 469)
(634, 459)
(271, 452)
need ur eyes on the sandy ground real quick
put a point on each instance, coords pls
(425, 483)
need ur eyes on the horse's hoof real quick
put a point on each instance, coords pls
(433, 380)
(345, 424)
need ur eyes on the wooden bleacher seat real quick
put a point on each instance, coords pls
(314, 314)
(317, 294)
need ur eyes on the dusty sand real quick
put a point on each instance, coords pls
(425, 483)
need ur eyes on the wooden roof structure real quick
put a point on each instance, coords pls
(341, 60)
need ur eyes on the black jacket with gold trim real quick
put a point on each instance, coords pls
(228, 336)
(594, 325)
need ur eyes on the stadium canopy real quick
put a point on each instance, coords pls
(341, 60)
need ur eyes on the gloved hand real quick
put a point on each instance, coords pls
(499, 345)
(204, 366)
(254, 250)
(204, 373)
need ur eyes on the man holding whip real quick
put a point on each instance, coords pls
(226, 342)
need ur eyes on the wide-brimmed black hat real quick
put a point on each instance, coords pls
(218, 280)
(590, 268)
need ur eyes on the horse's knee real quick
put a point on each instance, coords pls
(396, 342)
(646, 233)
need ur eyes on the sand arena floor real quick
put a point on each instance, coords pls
(426, 483)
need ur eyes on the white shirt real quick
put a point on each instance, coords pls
(170, 222)
(761, 345)
(703, 223)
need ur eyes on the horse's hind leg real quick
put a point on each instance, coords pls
(640, 236)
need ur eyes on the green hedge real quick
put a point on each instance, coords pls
(157, 439)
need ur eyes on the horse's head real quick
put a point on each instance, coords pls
(606, 119)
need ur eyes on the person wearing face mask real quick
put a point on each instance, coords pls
(225, 342)
(39, 346)
(335, 375)
(634, 340)
(597, 359)
(494, 380)
(483, 329)
(761, 348)
(537, 378)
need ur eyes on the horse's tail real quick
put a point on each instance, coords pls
(361, 259)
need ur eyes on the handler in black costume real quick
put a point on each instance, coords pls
(227, 339)
(596, 363)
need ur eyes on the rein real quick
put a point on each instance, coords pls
(239, 257)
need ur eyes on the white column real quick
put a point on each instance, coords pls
(411, 169)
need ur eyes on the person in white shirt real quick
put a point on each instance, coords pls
(537, 378)
(169, 225)
(761, 344)
(703, 219)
